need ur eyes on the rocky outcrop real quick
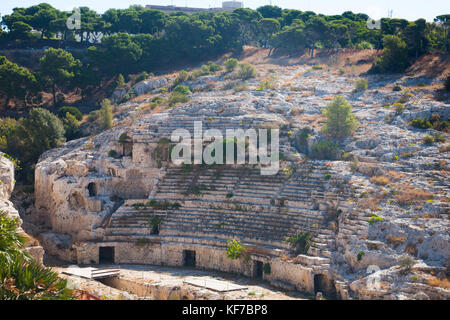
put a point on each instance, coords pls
(7, 183)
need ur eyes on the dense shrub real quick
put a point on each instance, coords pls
(71, 127)
(325, 150)
(182, 90)
(231, 64)
(421, 123)
(214, 67)
(399, 107)
(182, 77)
(177, 97)
(364, 45)
(234, 249)
(72, 110)
(301, 242)
(246, 71)
(428, 139)
(394, 58)
(302, 139)
(106, 114)
(406, 263)
(361, 85)
(142, 76)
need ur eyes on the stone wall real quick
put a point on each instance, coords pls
(283, 274)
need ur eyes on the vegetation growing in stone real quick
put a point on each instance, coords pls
(340, 122)
(325, 150)
(235, 249)
(374, 219)
(246, 71)
(106, 114)
(231, 64)
(406, 263)
(301, 242)
(361, 85)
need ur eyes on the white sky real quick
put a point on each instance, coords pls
(408, 9)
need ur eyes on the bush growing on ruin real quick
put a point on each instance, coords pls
(246, 71)
(106, 114)
(301, 242)
(340, 122)
(361, 85)
(231, 64)
(234, 249)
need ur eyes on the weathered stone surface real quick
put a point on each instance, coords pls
(80, 188)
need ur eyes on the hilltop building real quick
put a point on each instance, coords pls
(226, 6)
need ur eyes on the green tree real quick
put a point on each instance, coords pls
(340, 122)
(40, 131)
(445, 20)
(106, 114)
(15, 82)
(58, 67)
(268, 11)
(71, 127)
(268, 27)
(20, 30)
(394, 58)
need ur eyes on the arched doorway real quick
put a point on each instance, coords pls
(324, 284)
(92, 188)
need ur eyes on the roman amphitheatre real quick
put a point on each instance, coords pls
(115, 200)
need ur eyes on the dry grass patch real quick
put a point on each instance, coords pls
(412, 196)
(440, 283)
(380, 180)
(369, 203)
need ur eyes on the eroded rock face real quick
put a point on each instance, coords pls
(6, 187)
(7, 183)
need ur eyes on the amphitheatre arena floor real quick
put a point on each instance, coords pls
(138, 282)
